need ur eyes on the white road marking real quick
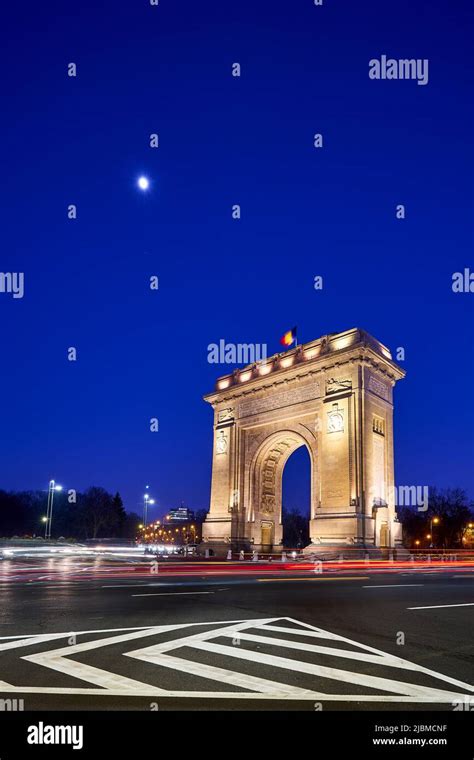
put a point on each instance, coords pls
(200, 641)
(394, 662)
(57, 660)
(257, 687)
(441, 606)
(254, 683)
(395, 585)
(150, 691)
(47, 636)
(177, 593)
(32, 640)
(374, 682)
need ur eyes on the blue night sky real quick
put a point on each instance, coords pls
(305, 212)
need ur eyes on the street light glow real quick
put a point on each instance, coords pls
(48, 520)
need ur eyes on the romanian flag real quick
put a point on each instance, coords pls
(289, 337)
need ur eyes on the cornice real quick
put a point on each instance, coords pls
(362, 353)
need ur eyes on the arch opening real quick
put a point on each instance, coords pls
(265, 510)
(296, 500)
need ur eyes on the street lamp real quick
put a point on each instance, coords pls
(146, 502)
(49, 509)
(433, 521)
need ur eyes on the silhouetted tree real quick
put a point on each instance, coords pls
(130, 525)
(454, 512)
(99, 513)
(21, 512)
(95, 513)
(295, 529)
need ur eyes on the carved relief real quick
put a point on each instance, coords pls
(336, 385)
(221, 443)
(335, 420)
(225, 415)
(268, 504)
(279, 399)
(379, 388)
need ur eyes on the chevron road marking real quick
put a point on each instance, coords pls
(163, 654)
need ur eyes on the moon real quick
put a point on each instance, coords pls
(143, 183)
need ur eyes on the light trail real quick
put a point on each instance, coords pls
(65, 569)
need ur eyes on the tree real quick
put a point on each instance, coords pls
(99, 513)
(130, 525)
(21, 512)
(446, 519)
(119, 512)
(295, 529)
(93, 514)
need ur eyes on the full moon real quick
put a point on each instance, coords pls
(143, 183)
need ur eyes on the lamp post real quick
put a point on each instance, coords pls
(146, 502)
(433, 521)
(48, 520)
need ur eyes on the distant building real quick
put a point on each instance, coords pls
(181, 515)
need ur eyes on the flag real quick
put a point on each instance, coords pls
(289, 337)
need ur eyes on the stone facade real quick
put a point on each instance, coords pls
(334, 396)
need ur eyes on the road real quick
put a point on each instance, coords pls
(101, 633)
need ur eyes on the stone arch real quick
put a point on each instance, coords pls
(270, 455)
(334, 395)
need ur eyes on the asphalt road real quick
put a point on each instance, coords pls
(77, 634)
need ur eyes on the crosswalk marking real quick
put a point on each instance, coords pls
(394, 662)
(57, 660)
(374, 682)
(261, 685)
(310, 647)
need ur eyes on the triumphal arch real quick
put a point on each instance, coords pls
(333, 395)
